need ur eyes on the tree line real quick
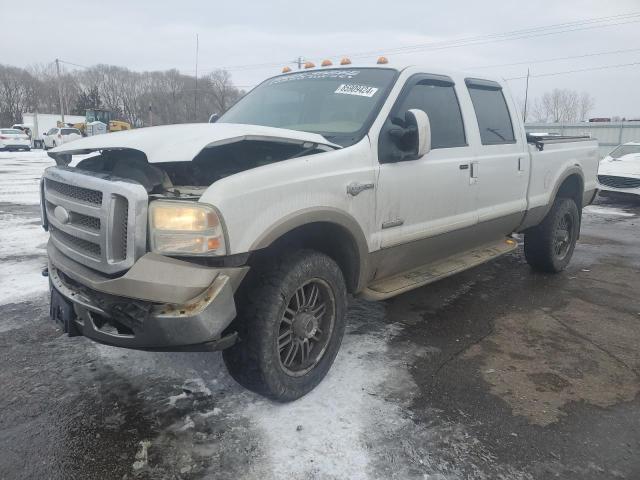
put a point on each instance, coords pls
(561, 105)
(140, 98)
(164, 97)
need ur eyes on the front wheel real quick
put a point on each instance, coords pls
(549, 246)
(291, 323)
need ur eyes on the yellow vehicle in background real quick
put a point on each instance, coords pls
(107, 117)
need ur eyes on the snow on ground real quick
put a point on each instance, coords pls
(607, 211)
(22, 239)
(327, 431)
(20, 174)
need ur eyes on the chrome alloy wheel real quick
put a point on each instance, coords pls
(563, 236)
(306, 327)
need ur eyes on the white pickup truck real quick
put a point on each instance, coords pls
(249, 234)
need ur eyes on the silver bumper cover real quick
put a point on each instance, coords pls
(130, 322)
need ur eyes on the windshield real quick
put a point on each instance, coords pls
(339, 104)
(623, 150)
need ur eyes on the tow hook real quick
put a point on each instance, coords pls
(45, 272)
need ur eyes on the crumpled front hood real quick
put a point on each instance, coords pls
(181, 143)
(628, 165)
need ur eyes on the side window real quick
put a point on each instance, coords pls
(53, 131)
(494, 120)
(440, 102)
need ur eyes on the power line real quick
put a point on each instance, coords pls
(555, 29)
(74, 64)
(552, 74)
(571, 57)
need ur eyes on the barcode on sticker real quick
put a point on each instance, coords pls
(360, 90)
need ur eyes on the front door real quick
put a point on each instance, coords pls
(425, 206)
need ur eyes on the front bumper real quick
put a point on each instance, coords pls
(626, 191)
(138, 318)
(15, 146)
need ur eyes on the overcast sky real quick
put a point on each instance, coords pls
(155, 35)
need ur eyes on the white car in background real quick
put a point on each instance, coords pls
(620, 170)
(14, 139)
(57, 136)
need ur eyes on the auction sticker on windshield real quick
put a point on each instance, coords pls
(360, 90)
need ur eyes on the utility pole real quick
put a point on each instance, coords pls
(299, 61)
(195, 96)
(60, 90)
(150, 116)
(526, 99)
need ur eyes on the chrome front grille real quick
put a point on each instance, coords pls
(619, 182)
(77, 193)
(97, 220)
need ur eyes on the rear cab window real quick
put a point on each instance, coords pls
(492, 113)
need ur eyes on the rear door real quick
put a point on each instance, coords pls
(501, 167)
(429, 198)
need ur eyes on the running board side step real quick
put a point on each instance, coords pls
(426, 274)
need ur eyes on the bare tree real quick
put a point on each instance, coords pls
(129, 94)
(222, 90)
(17, 94)
(562, 106)
(587, 103)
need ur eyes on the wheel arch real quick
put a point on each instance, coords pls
(570, 184)
(327, 230)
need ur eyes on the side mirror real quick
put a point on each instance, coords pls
(214, 118)
(420, 119)
(44, 133)
(410, 137)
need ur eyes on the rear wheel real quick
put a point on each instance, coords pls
(549, 246)
(291, 323)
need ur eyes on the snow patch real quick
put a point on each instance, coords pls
(142, 455)
(22, 280)
(325, 433)
(598, 210)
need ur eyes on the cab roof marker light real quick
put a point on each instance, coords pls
(382, 60)
(345, 61)
(309, 65)
(286, 69)
(326, 63)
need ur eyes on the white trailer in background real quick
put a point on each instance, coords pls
(41, 123)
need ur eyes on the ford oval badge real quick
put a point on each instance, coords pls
(61, 214)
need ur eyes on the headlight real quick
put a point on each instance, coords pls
(185, 228)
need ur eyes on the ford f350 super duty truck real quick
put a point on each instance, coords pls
(248, 235)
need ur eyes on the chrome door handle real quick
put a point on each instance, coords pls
(355, 188)
(474, 169)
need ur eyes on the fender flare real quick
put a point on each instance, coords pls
(312, 215)
(533, 218)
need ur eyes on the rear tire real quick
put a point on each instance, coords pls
(291, 323)
(549, 246)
